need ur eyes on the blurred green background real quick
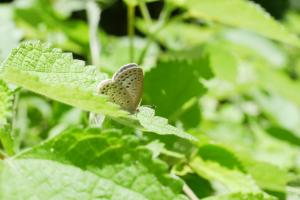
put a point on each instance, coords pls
(247, 101)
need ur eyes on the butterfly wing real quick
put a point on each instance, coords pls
(132, 79)
(117, 94)
(123, 68)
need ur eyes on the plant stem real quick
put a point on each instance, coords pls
(130, 29)
(93, 14)
(189, 192)
(145, 13)
(163, 18)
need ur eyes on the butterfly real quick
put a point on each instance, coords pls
(125, 88)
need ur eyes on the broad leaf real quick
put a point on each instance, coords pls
(50, 72)
(242, 14)
(177, 86)
(87, 164)
(234, 180)
(221, 155)
(284, 134)
(200, 186)
(242, 196)
(159, 125)
(269, 104)
(266, 175)
(223, 62)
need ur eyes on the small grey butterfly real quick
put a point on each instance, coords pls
(125, 88)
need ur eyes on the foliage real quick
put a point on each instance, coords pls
(219, 117)
(116, 168)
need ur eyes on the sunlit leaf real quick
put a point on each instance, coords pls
(177, 84)
(234, 180)
(159, 125)
(242, 14)
(50, 72)
(241, 196)
(115, 168)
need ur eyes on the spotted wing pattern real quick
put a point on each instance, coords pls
(125, 67)
(125, 88)
(117, 94)
(132, 79)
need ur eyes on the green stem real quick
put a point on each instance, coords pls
(93, 14)
(163, 18)
(130, 29)
(189, 192)
(151, 38)
(145, 13)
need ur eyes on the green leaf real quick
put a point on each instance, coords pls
(88, 165)
(6, 113)
(45, 70)
(278, 82)
(173, 86)
(221, 155)
(242, 14)
(242, 196)
(234, 180)
(223, 62)
(292, 19)
(247, 44)
(284, 134)
(266, 175)
(270, 103)
(192, 114)
(200, 186)
(159, 125)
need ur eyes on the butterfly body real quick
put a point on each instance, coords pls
(125, 88)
